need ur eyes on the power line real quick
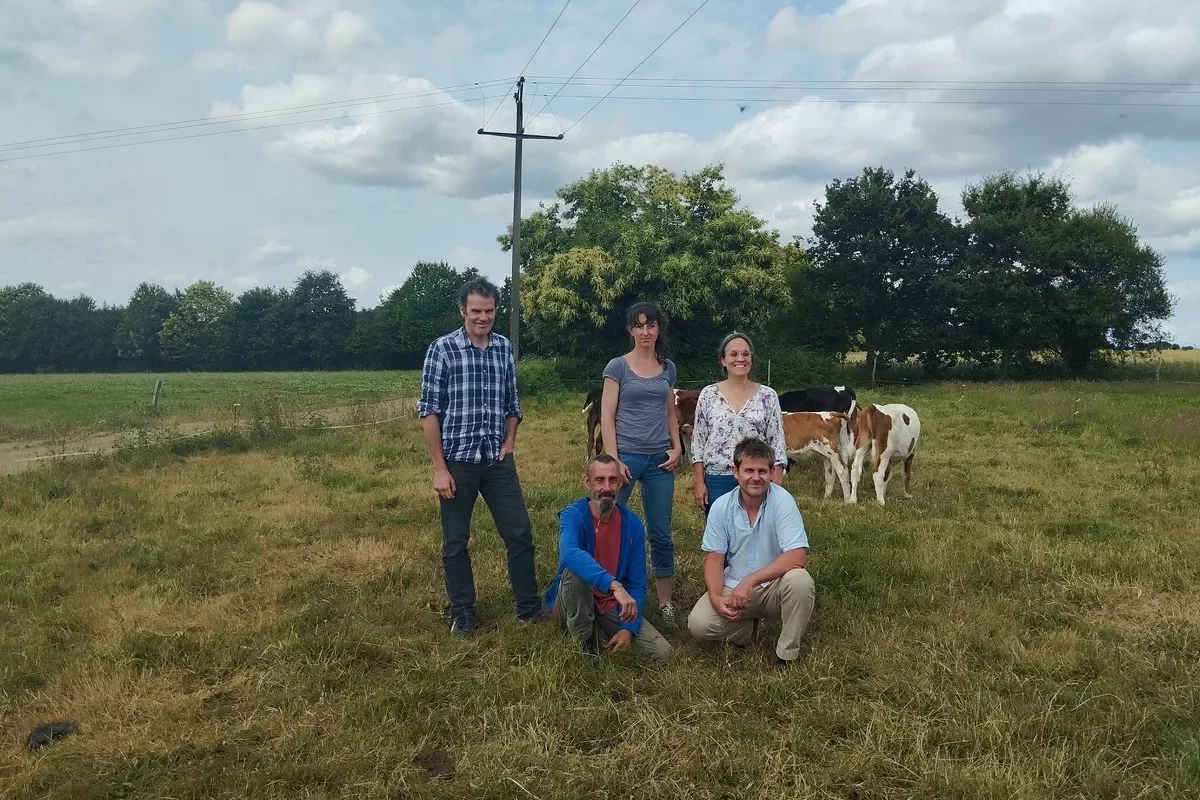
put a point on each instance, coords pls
(643, 61)
(163, 127)
(231, 130)
(855, 86)
(907, 101)
(530, 61)
(922, 81)
(585, 61)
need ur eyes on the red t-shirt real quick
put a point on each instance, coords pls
(607, 554)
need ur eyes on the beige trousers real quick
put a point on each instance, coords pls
(789, 598)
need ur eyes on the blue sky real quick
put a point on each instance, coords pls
(371, 193)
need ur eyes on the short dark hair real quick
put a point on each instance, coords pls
(599, 458)
(753, 447)
(480, 286)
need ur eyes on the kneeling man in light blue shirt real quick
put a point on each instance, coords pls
(757, 551)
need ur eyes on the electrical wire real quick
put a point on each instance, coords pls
(585, 61)
(231, 130)
(530, 61)
(643, 61)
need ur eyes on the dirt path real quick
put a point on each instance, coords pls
(16, 456)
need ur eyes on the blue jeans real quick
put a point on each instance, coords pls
(717, 485)
(658, 495)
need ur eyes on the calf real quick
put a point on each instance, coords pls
(826, 433)
(591, 407)
(891, 432)
(685, 415)
(819, 398)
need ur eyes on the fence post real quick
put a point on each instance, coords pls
(874, 366)
(157, 394)
(769, 372)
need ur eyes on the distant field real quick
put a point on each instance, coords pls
(37, 406)
(232, 620)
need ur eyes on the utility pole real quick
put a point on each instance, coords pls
(520, 135)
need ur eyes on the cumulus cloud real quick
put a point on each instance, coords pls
(262, 32)
(271, 251)
(422, 139)
(353, 278)
(78, 39)
(62, 228)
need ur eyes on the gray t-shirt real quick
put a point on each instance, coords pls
(641, 408)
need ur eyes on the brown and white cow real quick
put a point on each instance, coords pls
(826, 433)
(891, 432)
(685, 414)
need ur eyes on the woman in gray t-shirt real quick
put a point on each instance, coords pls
(640, 430)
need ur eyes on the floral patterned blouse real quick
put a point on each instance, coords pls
(719, 428)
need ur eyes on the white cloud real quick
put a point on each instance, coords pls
(356, 279)
(422, 139)
(271, 251)
(348, 31)
(261, 32)
(112, 11)
(59, 227)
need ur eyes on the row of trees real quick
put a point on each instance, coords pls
(1027, 273)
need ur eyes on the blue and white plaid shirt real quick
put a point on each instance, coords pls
(473, 392)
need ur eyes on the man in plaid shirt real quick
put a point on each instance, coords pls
(470, 412)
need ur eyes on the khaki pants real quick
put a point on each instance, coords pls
(789, 599)
(577, 607)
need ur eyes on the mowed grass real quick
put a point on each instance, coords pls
(268, 624)
(38, 406)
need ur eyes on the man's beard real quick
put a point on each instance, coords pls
(605, 501)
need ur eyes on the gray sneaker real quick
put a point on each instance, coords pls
(463, 627)
(670, 622)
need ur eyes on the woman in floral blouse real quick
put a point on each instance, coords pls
(728, 412)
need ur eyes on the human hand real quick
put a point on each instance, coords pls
(443, 483)
(620, 640)
(739, 598)
(505, 449)
(673, 456)
(722, 608)
(629, 607)
(701, 495)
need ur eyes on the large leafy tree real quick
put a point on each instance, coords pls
(642, 233)
(137, 341)
(196, 334)
(29, 321)
(886, 266)
(321, 319)
(258, 330)
(1050, 277)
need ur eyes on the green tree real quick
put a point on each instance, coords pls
(137, 341)
(29, 329)
(321, 321)
(1050, 277)
(195, 335)
(886, 265)
(258, 330)
(641, 233)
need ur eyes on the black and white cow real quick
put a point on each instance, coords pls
(819, 398)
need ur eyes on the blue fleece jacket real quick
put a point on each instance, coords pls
(577, 544)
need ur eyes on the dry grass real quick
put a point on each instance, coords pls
(268, 623)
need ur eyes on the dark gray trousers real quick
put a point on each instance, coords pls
(501, 490)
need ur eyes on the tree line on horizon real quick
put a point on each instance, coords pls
(1027, 273)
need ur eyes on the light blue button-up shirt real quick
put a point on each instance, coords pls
(778, 529)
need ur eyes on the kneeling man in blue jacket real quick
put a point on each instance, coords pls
(601, 580)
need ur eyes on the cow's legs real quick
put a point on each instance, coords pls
(908, 470)
(882, 474)
(856, 468)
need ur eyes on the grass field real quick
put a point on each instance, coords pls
(40, 406)
(264, 620)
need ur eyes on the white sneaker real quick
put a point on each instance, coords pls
(670, 622)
